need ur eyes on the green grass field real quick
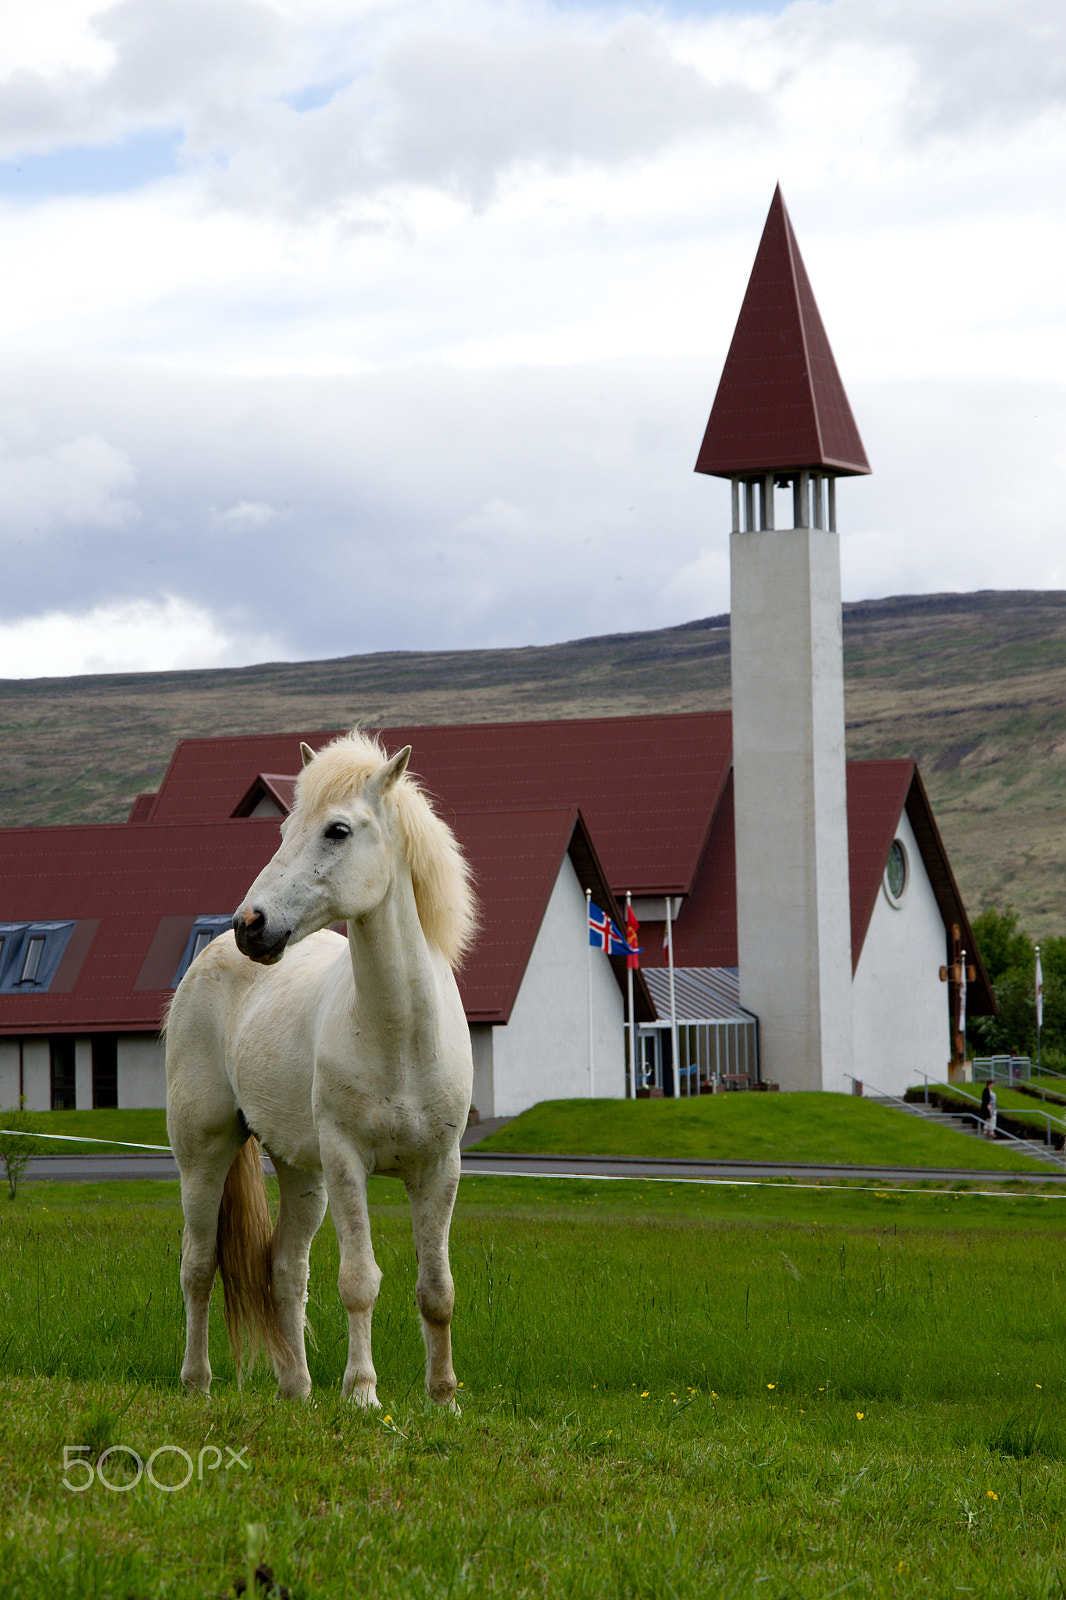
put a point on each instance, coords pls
(804, 1128)
(669, 1389)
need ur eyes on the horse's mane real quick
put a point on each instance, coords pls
(440, 874)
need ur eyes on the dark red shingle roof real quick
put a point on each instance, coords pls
(780, 401)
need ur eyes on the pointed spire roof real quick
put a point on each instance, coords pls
(780, 401)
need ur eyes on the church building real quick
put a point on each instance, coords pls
(800, 921)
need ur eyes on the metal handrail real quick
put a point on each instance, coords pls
(957, 1088)
(969, 1116)
(1035, 1069)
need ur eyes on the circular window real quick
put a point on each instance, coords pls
(896, 872)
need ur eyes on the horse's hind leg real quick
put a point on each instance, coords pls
(202, 1182)
(432, 1196)
(302, 1207)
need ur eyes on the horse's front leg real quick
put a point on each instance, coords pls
(303, 1205)
(360, 1276)
(432, 1195)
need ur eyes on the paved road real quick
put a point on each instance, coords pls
(731, 1171)
(97, 1169)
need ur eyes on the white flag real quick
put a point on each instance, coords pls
(1039, 991)
(962, 994)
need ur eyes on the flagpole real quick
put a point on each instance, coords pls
(632, 1018)
(588, 942)
(673, 999)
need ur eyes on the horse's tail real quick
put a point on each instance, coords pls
(244, 1261)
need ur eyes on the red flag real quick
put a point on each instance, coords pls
(632, 926)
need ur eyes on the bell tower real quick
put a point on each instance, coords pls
(781, 430)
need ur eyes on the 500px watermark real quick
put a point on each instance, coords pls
(120, 1467)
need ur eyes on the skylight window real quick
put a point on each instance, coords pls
(30, 953)
(205, 930)
(31, 961)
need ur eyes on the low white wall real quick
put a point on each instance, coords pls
(481, 1047)
(37, 1074)
(83, 1074)
(9, 1074)
(142, 1073)
(900, 1004)
(543, 1052)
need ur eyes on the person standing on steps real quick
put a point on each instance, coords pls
(988, 1111)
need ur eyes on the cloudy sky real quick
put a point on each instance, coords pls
(332, 326)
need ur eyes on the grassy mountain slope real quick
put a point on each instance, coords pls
(972, 685)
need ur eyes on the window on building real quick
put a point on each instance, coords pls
(30, 953)
(31, 960)
(105, 1071)
(61, 1052)
(896, 872)
(204, 931)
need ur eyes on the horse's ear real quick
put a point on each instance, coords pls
(306, 753)
(392, 771)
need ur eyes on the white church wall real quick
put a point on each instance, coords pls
(900, 1005)
(142, 1073)
(37, 1074)
(83, 1074)
(9, 1074)
(481, 1050)
(543, 1052)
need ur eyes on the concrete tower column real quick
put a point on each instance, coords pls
(793, 902)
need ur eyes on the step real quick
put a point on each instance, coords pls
(963, 1123)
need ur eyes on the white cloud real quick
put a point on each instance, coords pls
(429, 317)
(137, 636)
(80, 483)
(246, 514)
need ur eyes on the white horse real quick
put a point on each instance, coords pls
(351, 1057)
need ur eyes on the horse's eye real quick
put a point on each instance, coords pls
(338, 830)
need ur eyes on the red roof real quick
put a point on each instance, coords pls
(655, 792)
(135, 891)
(207, 779)
(647, 786)
(780, 402)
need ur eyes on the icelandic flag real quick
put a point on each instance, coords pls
(1039, 991)
(632, 947)
(603, 935)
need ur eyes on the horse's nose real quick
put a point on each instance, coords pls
(257, 938)
(248, 920)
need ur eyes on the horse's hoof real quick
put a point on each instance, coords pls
(295, 1391)
(365, 1395)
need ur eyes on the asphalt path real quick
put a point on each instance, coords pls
(106, 1168)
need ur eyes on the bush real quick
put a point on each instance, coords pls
(16, 1148)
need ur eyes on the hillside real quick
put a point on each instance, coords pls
(972, 685)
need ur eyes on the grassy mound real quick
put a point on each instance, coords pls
(835, 1128)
